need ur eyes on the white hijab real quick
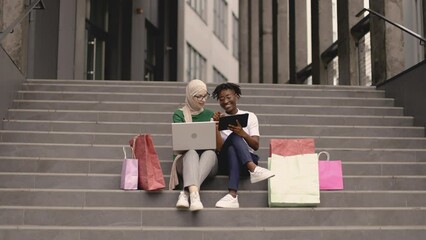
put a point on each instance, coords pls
(193, 107)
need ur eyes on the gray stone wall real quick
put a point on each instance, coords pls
(407, 88)
(1, 15)
(13, 43)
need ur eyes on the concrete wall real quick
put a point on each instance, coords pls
(44, 60)
(408, 90)
(10, 80)
(14, 45)
(12, 53)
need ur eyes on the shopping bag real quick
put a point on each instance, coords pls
(149, 168)
(296, 182)
(289, 147)
(129, 173)
(330, 173)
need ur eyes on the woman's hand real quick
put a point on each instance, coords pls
(237, 129)
(216, 116)
(252, 141)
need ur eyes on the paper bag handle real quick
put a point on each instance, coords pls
(133, 150)
(326, 153)
(124, 151)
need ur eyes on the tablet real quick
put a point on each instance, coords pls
(231, 119)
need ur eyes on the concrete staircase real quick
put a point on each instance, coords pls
(60, 159)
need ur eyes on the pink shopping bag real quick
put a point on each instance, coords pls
(290, 147)
(330, 173)
(129, 173)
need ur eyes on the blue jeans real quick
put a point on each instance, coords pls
(233, 158)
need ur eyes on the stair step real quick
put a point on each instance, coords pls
(113, 166)
(166, 139)
(179, 98)
(59, 150)
(180, 89)
(167, 199)
(264, 118)
(299, 120)
(211, 217)
(112, 181)
(160, 84)
(164, 128)
(213, 233)
(171, 107)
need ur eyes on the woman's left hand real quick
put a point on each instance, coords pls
(252, 141)
(237, 129)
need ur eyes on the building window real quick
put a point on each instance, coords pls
(221, 20)
(199, 7)
(235, 48)
(218, 77)
(196, 64)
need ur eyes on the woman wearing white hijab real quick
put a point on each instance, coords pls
(194, 166)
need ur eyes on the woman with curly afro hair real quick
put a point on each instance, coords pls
(237, 145)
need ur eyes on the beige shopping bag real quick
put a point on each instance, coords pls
(296, 181)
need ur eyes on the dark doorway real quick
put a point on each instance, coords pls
(108, 31)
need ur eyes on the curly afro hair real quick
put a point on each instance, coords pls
(225, 86)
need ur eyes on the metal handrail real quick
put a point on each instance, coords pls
(37, 4)
(412, 33)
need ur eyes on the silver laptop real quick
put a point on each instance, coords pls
(195, 135)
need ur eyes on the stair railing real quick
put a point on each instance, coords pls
(412, 33)
(37, 4)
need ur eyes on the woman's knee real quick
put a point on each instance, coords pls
(209, 154)
(236, 140)
(190, 154)
(212, 161)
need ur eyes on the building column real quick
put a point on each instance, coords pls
(395, 61)
(348, 56)
(181, 44)
(267, 42)
(325, 36)
(315, 32)
(301, 35)
(378, 47)
(137, 71)
(282, 42)
(387, 43)
(254, 52)
(67, 39)
(80, 40)
(244, 41)
(322, 38)
(424, 22)
(292, 41)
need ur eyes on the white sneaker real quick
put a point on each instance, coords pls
(228, 201)
(196, 203)
(183, 201)
(260, 174)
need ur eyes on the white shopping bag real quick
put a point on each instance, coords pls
(296, 181)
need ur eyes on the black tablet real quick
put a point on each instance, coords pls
(231, 119)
